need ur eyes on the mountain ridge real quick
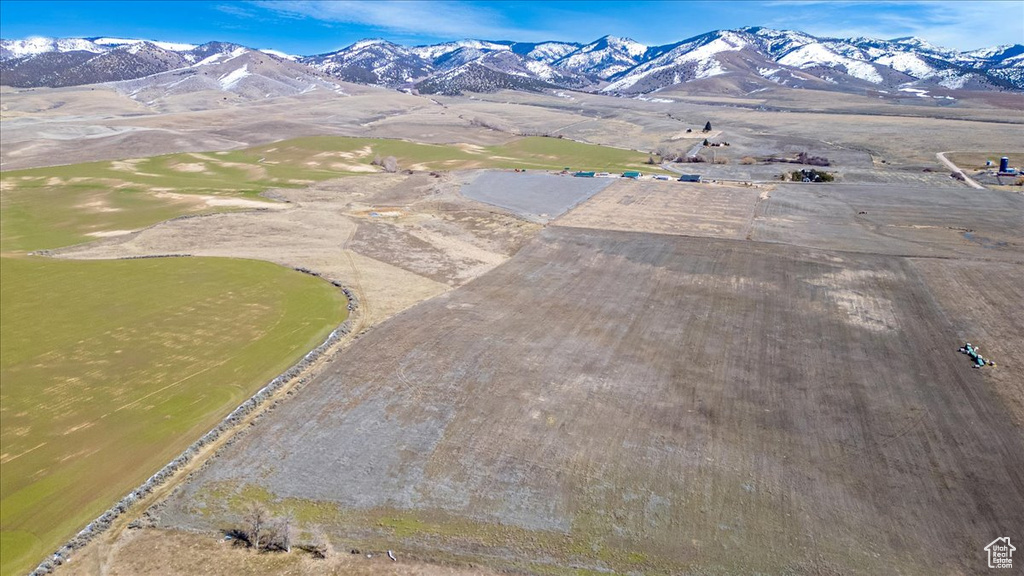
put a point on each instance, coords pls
(754, 57)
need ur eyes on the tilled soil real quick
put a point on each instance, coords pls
(897, 220)
(634, 401)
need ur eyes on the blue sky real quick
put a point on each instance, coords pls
(312, 26)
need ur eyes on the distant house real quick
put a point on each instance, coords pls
(631, 174)
(689, 177)
(584, 174)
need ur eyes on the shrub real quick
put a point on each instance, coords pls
(805, 158)
(748, 160)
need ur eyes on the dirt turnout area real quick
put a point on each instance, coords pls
(806, 408)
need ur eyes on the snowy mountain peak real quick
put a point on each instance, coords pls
(605, 57)
(366, 43)
(916, 42)
(434, 51)
(627, 45)
(746, 59)
(546, 52)
(116, 42)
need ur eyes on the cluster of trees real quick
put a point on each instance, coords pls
(809, 175)
(263, 532)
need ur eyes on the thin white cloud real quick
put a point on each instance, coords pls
(435, 19)
(956, 25)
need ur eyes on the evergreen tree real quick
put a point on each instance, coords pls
(707, 127)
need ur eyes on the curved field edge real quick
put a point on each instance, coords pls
(109, 369)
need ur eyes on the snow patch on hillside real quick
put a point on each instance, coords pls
(953, 80)
(706, 65)
(41, 45)
(815, 54)
(550, 51)
(279, 54)
(908, 64)
(231, 79)
(540, 69)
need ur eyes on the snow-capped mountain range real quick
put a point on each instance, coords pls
(741, 60)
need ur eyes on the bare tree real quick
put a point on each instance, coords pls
(321, 545)
(285, 533)
(390, 164)
(256, 523)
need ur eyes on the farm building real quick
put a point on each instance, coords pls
(631, 174)
(689, 177)
(584, 174)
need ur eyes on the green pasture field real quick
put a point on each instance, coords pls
(534, 152)
(109, 369)
(45, 208)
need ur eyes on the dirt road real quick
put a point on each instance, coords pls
(941, 156)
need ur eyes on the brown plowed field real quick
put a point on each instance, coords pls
(656, 403)
(983, 301)
(898, 220)
(670, 208)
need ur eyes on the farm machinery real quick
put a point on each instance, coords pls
(978, 359)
